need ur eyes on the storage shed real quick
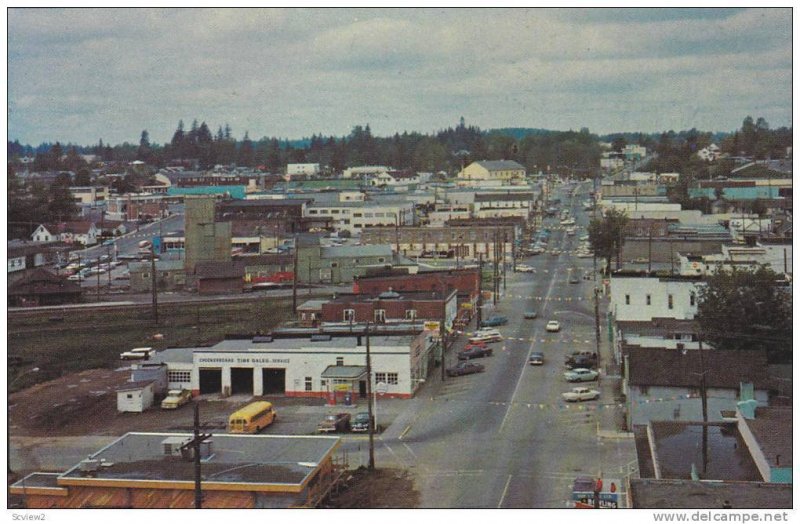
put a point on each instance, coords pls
(135, 397)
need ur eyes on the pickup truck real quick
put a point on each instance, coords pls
(334, 423)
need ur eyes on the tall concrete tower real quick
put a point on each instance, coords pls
(206, 240)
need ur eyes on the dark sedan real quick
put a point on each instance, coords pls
(464, 368)
(475, 352)
(497, 320)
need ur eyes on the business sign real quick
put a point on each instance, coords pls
(431, 326)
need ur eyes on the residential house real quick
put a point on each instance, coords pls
(666, 384)
(81, 232)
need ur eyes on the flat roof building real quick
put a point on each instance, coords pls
(155, 470)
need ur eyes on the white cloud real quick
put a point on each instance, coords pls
(293, 72)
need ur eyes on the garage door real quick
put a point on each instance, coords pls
(241, 381)
(274, 381)
(210, 381)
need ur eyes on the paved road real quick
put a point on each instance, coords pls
(504, 438)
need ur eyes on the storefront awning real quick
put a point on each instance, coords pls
(345, 372)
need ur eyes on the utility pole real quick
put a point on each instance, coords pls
(649, 247)
(704, 401)
(371, 464)
(194, 444)
(294, 279)
(153, 282)
(597, 319)
(496, 279)
(443, 329)
(503, 254)
(480, 288)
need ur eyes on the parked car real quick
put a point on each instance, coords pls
(581, 375)
(495, 320)
(137, 354)
(536, 359)
(334, 423)
(474, 345)
(464, 368)
(523, 268)
(176, 398)
(360, 423)
(485, 338)
(475, 352)
(573, 278)
(553, 326)
(530, 314)
(580, 394)
(581, 362)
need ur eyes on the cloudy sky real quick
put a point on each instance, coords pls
(84, 74)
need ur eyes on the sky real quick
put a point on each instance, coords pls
(80, 75)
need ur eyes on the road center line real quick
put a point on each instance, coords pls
(530, 350)
(505, 490)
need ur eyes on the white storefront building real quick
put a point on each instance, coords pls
(309, 366)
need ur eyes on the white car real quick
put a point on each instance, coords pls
(486, 335)
(522, 268)
(581, 375)
(580, 394)
(553, 326)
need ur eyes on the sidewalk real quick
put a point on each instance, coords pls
(611, 418)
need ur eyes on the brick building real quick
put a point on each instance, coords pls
(389, 306)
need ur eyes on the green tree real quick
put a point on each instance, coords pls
(618, 144)
(83, 177)
(747, 309)
(246, 152)
(61, 206)
(607, 235)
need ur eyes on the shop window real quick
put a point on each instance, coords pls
(380, 315)
(349, 315)
(380, 377)
(411, 314)
(391, 378)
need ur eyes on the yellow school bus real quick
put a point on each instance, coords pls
(252, 418)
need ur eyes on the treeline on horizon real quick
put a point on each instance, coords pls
(447, 150)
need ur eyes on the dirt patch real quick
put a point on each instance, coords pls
(378, 489)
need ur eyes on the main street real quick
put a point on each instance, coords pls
(505, 438)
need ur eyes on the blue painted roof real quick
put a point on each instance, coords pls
(736, 193)
(237, 192)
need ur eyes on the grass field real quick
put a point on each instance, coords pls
(94, 339)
